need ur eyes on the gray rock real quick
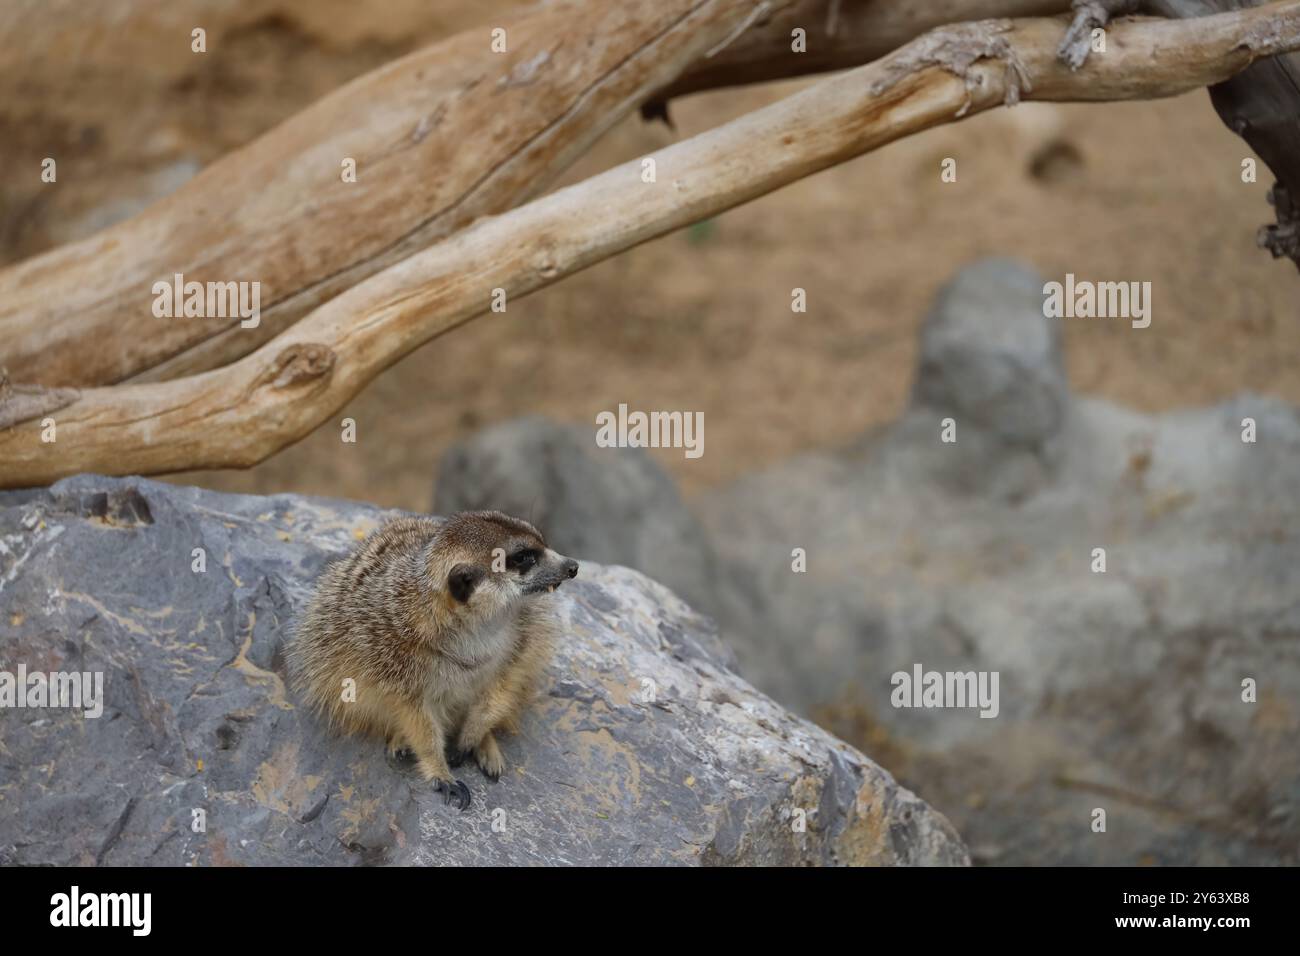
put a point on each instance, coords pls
(96, 574)
(991, 363)
(989, 359)
(611, 505)
(1120, 690)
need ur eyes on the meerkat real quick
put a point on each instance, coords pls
(432, 634)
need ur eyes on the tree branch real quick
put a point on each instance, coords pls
(80, 315)
(278, 212)
(241, 414)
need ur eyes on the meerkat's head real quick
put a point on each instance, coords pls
(487, 562)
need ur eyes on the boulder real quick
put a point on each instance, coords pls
(645, 748)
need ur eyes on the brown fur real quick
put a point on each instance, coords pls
(431, 668)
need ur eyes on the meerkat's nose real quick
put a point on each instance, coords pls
(571, 567)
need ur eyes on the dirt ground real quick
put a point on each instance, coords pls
(701, 320)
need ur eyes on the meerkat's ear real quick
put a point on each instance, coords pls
(462, 581)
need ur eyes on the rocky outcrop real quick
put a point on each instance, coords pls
(646, 748)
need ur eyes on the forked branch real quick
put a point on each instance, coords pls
(451, 132)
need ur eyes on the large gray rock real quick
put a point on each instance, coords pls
(96, 574)
(611, 505)
(1119, 690)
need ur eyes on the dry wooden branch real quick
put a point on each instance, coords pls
(80, 315)
(440, 137)
(243, 413)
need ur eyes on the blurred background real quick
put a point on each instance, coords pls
(1125, 694)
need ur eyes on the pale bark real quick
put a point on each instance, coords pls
(450, 133)
(440, 137)
(241, 414)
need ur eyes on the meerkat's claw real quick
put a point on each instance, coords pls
(456, 757)
(454, 792)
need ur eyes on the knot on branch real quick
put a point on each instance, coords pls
(298, 363)
(19, 403)
(956, 48)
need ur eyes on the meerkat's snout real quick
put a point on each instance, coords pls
(552, 571)
(570, 570)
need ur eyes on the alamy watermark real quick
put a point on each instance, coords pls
(651, 430)
(79, 690)
(74, 908)
(946, 689)
(1081, 299)
(211, 300)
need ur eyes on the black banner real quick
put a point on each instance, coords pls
(338, 905)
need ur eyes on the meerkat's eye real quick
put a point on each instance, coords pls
(522, 560)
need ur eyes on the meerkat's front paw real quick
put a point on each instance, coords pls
(488, 756)
(398, 749)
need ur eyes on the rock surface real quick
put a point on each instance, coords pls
(98, 574)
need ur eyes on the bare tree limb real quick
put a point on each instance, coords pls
(440, 137)
(277, 212)
(241, 414)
